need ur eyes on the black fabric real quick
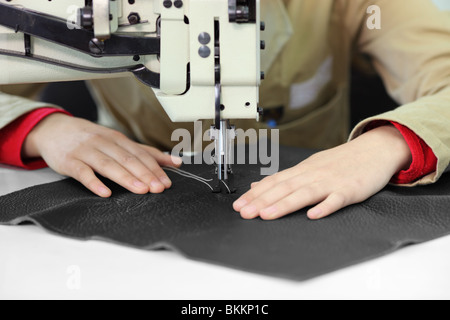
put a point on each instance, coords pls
(201, 225)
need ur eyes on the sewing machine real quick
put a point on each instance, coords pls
(201, 57)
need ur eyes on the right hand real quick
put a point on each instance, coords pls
(78, 148)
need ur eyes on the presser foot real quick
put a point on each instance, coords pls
(225, 185)
(223, 135)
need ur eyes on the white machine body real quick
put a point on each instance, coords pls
(201, 57)
(180, 46)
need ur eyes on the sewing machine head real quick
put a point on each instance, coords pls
(201, 57)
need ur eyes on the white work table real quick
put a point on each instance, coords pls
(35, 264)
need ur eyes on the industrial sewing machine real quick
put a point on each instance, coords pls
(201, 57)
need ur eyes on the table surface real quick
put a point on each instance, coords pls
(36, 264)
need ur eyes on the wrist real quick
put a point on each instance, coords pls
(390, 146)
(35, 138)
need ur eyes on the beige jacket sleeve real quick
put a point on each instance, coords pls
(411, 52)
(13, 103)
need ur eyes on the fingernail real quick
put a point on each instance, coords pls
(103, 191)
(156, 184)
(315, 213)
(139, 184)
(166, 181)
(270, 212)
(239, 204)
(249, 210)
(177, 160)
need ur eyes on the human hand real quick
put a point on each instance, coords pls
(77, 148)
(330, 180)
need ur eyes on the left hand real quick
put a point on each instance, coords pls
(79, 149)
(330, 180)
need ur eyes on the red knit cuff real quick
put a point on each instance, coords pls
(424, 160)
(12, 138)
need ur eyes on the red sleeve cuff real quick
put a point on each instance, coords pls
(12, 138)
(424, 160)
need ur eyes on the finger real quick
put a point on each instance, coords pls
(257, 188)
(111, 169)
(244, 200)
(155, 170)
(153, 159)
(140, 164)
(86, 176)
(334, 202)
(295, 201)
(270, 197)
(268, 183)
(162, 158)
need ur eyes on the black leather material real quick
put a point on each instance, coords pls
(203, 226)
